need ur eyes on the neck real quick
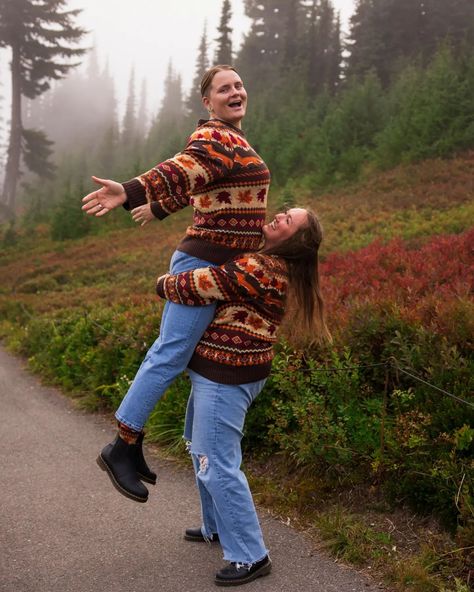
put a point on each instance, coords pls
(237, 124)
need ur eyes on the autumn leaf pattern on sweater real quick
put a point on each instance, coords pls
(250, 291)
(226, 182)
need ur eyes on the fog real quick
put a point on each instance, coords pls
(147, 35)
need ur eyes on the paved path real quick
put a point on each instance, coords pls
(64, 528)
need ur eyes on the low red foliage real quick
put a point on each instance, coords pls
(418, 281)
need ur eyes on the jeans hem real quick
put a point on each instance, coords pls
(250, 563)
(129, 424)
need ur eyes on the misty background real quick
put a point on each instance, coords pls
(145, 36)
(336, 89)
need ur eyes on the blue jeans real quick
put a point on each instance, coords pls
(180, 330)
(214, 422)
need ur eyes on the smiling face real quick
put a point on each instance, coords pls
(227, 97)
(283, 226)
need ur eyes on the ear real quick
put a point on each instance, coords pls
(207, 103)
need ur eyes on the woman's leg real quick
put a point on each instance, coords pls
(209, 526)
(219, 416)
(181, 329)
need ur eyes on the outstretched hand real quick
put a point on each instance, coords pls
(142, 214)
(111, 195)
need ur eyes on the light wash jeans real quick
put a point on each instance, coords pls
(180, 330)
(214, 422)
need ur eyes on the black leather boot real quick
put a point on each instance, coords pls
(195, 534)
(236, 574)
(143, 470)
(118, 459)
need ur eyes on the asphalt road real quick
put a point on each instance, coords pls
(64, 528)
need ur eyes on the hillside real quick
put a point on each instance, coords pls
(397, 275)
(412, 201)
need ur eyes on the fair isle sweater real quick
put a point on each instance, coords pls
(250, 291)
(226, 182)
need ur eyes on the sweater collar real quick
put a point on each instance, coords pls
(221, 123)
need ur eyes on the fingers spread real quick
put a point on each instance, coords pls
(89, 197)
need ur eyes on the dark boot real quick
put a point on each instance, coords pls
(118, 460)
(143, 470)
(195, 534)
(236, 574)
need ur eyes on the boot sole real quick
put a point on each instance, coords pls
(195, 539)
(105, 467)
(263, 571)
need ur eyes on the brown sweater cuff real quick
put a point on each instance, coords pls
(158, 211)
(136, 195)
(160, 286)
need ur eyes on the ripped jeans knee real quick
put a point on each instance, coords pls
(202, 459)
(203, 463)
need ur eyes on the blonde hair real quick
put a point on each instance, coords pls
(208, 76)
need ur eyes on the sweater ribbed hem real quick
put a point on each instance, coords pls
(229, 374)
(136, 194)
(217, 254)
(160, 287)
(158, 211)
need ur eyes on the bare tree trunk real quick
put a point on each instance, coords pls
(14, 148)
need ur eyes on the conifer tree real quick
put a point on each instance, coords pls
(40, 34)
(193, 102)
(263, 50)
(167, 132)
(130, 117)
(223, 53)
(141, 125)
(291, 33)
(324, 48)
(385, 34)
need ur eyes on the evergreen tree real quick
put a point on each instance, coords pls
(130, 117)
(263, 49)
(142, 113)
(37, 32)
(194, 102)
(36, 149)
(290, 45)
(386, 34)
(68, 221)
(167, 133)
(223, 53)
(324, 48)
(77, 110)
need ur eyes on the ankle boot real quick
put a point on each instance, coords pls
(143, 470)
(117, 459)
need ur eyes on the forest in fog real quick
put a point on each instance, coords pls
(323, 107)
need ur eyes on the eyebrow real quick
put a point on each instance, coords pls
(237, 82)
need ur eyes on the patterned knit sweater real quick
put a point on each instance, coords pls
(225, 181)
(250, 291)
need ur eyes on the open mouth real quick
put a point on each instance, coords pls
(235, 104)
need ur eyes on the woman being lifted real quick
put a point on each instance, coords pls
(226, 182)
